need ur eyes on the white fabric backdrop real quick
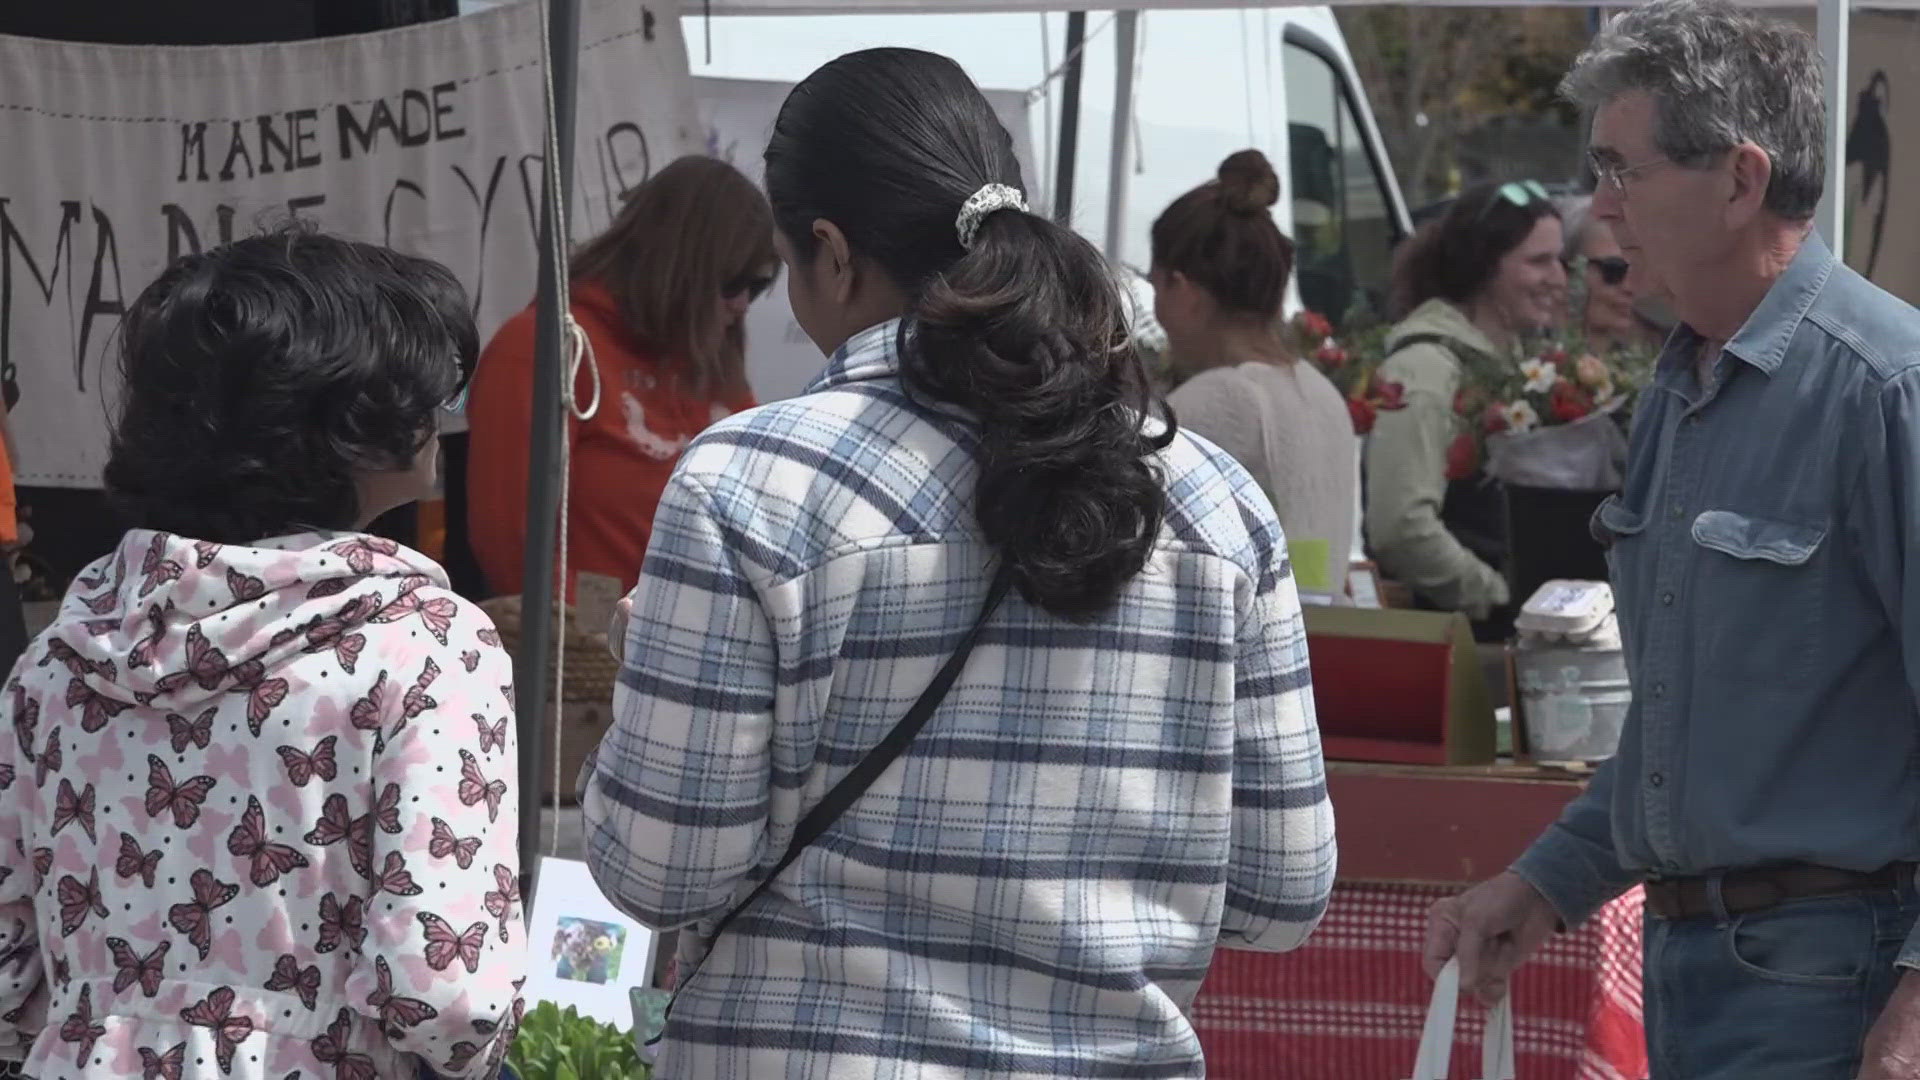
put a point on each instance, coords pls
(428, 138)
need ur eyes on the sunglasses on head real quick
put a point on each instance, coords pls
(1521, 193)
(753, 285)
(1613, 269)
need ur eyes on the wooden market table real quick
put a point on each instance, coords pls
(1349, 1004)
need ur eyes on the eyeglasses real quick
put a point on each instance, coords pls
(753, 285)
(1613, 269)
(1614, 174)
(1521, 193)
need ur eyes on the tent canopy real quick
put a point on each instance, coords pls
(883, 7)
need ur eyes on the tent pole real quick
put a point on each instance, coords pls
(1832, 215)
(533, 664)
(1126, 47)
(1069, 119)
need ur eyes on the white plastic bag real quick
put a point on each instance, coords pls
(1436, 1040)
(1588, 454)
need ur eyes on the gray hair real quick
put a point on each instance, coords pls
(1576, 217)
(1719, 76)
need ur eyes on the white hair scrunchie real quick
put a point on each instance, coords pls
(990, 199)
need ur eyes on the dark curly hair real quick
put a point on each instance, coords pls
(1221, 235)
(1456, 255)
(1026, 330)
(261, 377)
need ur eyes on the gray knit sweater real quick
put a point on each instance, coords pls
(1290, 428)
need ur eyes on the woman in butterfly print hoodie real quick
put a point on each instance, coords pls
(254, 811)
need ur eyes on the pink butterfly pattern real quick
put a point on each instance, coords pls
(156, 568)
(146, 970)
(196, 732)
(304, 982)
(304, 765)
(492, 736)
(135, 863)
(81, 1029)
(436, 612)
(267, 861)
(503, 900)
(229, 1031)
(207, 729)
(445, 844)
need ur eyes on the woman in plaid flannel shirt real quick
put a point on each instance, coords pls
(1127, 772)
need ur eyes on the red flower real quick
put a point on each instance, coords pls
(1493, 419)
(1556, 356)
(1314, 325)
(1388, 395)
(1568, 402)
(1362, 414)
(1330, 356)
(1463, 457)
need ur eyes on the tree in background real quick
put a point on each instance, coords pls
(1434, 74)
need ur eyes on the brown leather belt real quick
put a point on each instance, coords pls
(1744, 892)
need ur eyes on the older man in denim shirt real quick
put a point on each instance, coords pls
(1764, 554)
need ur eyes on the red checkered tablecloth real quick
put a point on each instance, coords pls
(1349, 1004)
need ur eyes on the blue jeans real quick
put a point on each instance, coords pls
(1784, 994)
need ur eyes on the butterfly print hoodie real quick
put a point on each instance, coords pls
(257, 818)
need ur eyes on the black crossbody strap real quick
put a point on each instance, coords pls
(861, 777)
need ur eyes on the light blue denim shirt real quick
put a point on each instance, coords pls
(1763, 556)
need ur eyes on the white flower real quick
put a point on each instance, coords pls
(1540, 375)
(1521, 417)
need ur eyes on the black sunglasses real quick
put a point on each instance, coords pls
(754, 285)
(1613, 269)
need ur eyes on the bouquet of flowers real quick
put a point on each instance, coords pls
(1352, 367)
(1554, 420)
(1509, 414)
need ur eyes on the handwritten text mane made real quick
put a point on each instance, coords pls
(301, 138)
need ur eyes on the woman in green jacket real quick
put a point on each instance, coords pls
(1468, 285)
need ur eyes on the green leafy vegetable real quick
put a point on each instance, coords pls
(557, 1044)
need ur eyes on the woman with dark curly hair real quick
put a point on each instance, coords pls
(1124, 773)
(1467, 286)
(259, 774)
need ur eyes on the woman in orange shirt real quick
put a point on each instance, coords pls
(662, 296)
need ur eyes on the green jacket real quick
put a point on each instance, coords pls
(1406, 468)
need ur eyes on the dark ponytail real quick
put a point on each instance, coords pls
(1026, 330)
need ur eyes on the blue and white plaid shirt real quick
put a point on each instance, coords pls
(1037, 887)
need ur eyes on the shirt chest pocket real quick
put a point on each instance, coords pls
(1758, 596)
(1613, 526)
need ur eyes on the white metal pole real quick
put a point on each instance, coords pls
(1126, 40)
(1832, 219)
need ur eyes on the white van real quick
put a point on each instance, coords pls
(1208, 83)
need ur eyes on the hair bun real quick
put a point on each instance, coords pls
(1248, 184)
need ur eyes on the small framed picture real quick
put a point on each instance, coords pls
(581, 950)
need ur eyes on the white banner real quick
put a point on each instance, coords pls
(428, 138)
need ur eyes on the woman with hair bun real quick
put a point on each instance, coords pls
(1220, 270)
(1124, 771)
(1467, 287)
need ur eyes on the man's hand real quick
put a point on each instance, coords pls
(1892, 1051)
(617, 629)
(1492, 928)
